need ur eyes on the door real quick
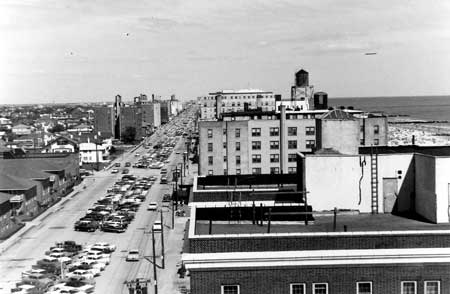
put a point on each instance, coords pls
(389, 194)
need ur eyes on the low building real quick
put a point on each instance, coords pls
(61, 144)
(263, 234)
(22, 129)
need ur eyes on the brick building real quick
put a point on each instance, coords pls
(260, 234)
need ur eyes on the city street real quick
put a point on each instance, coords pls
(57, 225)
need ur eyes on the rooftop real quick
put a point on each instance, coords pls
(324, 224)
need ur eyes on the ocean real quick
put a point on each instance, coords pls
(418, 107)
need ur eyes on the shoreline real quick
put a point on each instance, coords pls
(401, 131)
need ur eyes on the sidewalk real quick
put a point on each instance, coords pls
(168, 279)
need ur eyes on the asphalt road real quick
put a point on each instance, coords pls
(58, 226)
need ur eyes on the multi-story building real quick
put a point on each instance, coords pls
(104, 121)
(267, 142)
(151, 115)
(226, 101)
(165, 111)
(131, 116)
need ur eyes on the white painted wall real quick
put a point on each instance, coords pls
(442, 182)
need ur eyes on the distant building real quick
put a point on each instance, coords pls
(61, 144)
(165, 111)
(22, 129)
(104, 121)
(131, 116)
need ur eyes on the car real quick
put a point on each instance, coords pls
(133, 255)
(127, 164)
(125, 171)
(163, 180)
(105, 247)
(113, 227)
(152, 206)
(117, 164)
(157, 226)
(86, 226)
(137, 154)
(114, 171)
(80, 274)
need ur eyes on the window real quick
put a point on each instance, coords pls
(256, 158)
(274, 170)
(361, 141)
(225, 172)
(310, 131)
(292, 170)
(292, 131)
(230, 289)
(210, 133)
(238, 146)
(238, 159)
(274, 145)
(376, 142)
(237, 133)
(210, 147)
(361, 128)
(274, 157)
(321, 288)
(256, 132)
(225, 145)
(210, 172)
(292, 157)
(376, 129)
(256, 171)
(292, 144)
(225, 158)
(256, 145)
(225, 132)
(310, 143)
(274, 131)
(364, 288)
(432, 287)
(409, 287)
(238, 171)
(298, 289)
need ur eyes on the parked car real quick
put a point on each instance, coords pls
(117, 164)
(133, 255)
(80, 274)
(127, 164)
(114, 171)
(86, 225)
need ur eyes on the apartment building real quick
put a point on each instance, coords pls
(215, 104)
(267, 142)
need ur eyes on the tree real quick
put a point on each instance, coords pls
(129, 135)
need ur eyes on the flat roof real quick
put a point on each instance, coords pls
(324, 224)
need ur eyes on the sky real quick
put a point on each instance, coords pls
(56, 51)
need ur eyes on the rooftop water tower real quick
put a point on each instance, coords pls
(302, 78)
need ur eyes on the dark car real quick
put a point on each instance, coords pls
(86, 226)
(127, 164)
(125, 171)
(113, 228)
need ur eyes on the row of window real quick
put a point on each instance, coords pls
(256, 158)
(274, 145)
(376, 129)
(257, 171)
(375, 142)
(274, 131)
(407, 287)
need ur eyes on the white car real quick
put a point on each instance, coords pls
(152, 206)
(114, 171)
(80, 274)
(107, 247)
(157, 226)
(133, 255)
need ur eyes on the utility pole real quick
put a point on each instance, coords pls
(154, 263)
(173, 216)
(162, 241)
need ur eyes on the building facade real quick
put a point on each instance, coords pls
(131, 116)
(104, 121)
(267, 142)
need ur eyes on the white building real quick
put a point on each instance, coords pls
(226, 101)
(92, 152)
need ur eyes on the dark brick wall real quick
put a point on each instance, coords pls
(386, 279)
(290, 243)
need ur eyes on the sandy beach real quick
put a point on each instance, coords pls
(401, 132)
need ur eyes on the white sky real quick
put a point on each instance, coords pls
(79, 50)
